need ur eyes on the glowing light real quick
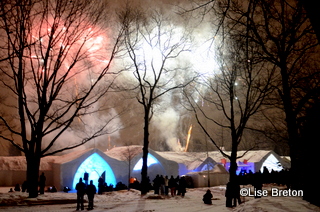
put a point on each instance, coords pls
(95, 165)
(151, 160)
(271, 163)
(96, 43)
(203, 56)
(188, 138)
(103, 61)
(152, 54)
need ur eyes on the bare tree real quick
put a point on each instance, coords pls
(52, 68)
(154, 48)
(129, 155)
(228, 98)
(289, 43)
(312, 13)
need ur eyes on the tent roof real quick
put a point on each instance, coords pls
(253, 156)
(124, 153)
(191, 160)
(190, 157)
(218, 168)
(71, 156)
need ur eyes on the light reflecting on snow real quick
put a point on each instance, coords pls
(95, 165)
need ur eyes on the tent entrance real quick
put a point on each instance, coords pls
(95, 166)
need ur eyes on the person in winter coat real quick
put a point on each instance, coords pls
(42, 183)
(86, 178)
(257, 184)
(91, 191)
(207, 197)
(166, 185)
(178, 186)
(182, 186)
(161, 185)
(172, 185)
(232, 194)
(156, 184)
(101, 185)
(81, 189)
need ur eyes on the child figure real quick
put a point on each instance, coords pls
(207, 197)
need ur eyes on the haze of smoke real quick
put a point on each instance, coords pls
(167, 123)
(88, 126)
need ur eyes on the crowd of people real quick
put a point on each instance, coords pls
(162, 184)
(256, 180)
(41, 183)
(278, 177)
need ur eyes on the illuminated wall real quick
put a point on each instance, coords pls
(95, 165)
(154, 168)
(150, 161)
(271, 163)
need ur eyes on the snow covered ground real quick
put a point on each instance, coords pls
(131, 201)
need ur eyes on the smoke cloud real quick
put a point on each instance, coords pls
(124, 128)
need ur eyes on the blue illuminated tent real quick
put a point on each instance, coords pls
(70, 167)
(133, 155)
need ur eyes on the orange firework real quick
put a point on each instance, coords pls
(188, 138)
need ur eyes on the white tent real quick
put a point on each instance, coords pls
(119, 163)
(217, 176)
(253, 160)
(67, 169)
(133, 155)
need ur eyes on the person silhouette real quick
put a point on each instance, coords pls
(81, 188)
(91, 191)
(207, 197)
(42, 183)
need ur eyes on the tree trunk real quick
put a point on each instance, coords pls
(292, 129)
(129, 172)
(231, 189)
(33, 165)
(144, 170)
(233, 165)
(310, 133)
